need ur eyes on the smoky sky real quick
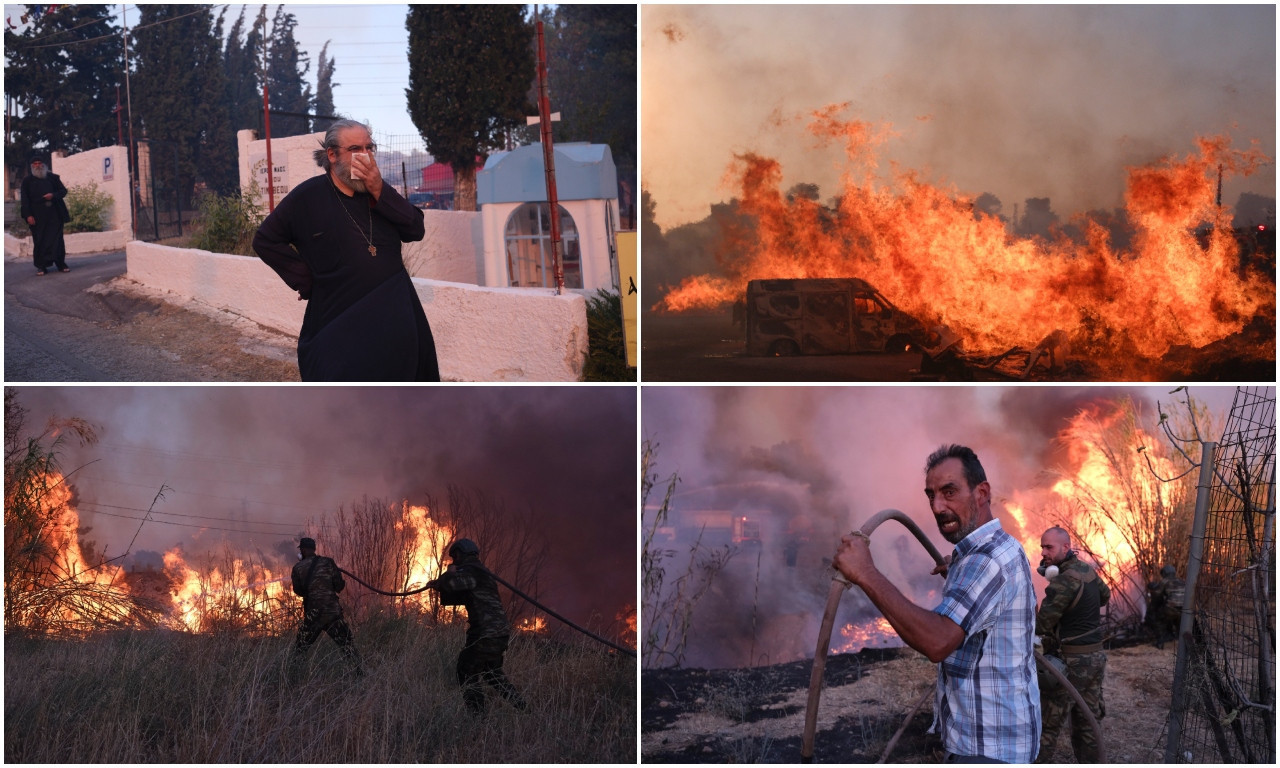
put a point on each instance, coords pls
(270, 459)
(820, 461)
(1018, 101)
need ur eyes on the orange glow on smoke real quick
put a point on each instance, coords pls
(923, 247)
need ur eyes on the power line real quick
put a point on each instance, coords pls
(192, 517)
(188, 525)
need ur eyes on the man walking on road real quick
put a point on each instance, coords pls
(45, 211)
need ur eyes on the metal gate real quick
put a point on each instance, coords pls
(1224, 698)
(164, 207)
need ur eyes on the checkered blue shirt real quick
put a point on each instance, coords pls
(988, 700)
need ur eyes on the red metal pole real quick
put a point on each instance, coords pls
(548, 159)
(266, 127)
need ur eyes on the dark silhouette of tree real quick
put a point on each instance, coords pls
(178, 98)
(242, 60)
(287, 69)
(1037, 218)
(323, 104)
(470, 67)
(987, 203)
(61, 73)
(591, 58)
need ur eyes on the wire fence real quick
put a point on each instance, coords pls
(1228, 684)
(404, 162)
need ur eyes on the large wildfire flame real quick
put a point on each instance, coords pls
(924, 248)
(231, 594)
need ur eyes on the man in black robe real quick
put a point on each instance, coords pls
(45, 211)
(335, 239)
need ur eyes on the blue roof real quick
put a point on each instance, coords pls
(583, 172)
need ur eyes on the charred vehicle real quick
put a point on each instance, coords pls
(825, 316)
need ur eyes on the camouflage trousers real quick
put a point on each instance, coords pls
(480, 664)
(1085, 671)
(331, 622)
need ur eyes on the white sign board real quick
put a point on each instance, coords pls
(258, 171)
(108, 169)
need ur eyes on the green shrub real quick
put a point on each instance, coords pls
(607, 352)
(89, 208)
(227, 223)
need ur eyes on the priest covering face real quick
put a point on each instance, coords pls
(335, 239)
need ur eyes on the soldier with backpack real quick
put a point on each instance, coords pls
(318, 581)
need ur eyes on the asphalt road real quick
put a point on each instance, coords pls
(80, 327)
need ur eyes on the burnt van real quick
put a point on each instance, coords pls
(825, 316)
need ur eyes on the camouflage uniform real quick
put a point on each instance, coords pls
(469, 584)
(1069, 619)
(318, 581)
(1164, 607)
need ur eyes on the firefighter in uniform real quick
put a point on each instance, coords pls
(1069, 619)
(1164, 604)
(468, 583)
(318, 581)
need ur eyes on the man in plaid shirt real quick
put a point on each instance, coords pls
(981, 635)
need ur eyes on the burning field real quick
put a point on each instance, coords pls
(1164, 289)
(187, 655)
(761, 483)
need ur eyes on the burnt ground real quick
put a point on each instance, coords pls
(757, 715)
(706, 346)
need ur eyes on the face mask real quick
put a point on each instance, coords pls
(1048, 571)
(299, 555)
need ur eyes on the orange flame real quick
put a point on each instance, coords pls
(533, 624)
(926, 250)
(873, 633)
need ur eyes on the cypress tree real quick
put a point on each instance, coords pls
(470, 69)
(61, 73)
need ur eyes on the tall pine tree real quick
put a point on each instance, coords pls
(323, 104)
(178, 99)
(470, 67)
(242, 61)
(61, 73)
(286, 77)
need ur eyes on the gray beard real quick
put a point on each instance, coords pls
(41, 173)
(343, 170)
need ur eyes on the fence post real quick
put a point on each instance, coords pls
(1179, 709)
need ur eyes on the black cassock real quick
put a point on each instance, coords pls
(49, 248)
(363, 321)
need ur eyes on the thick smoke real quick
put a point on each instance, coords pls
(812, 463)
(1018, 101)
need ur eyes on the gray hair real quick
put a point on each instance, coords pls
(331, 139)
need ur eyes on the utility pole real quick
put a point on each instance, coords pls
(131, 150)
(549, 157)
(266, 128)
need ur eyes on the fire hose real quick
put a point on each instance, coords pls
(509, 586)
(839, 585)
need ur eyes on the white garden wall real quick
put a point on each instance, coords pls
(481, 334)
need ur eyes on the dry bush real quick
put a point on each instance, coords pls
(667, 607)
(1150, 512)
(165, 697)
(48, 586)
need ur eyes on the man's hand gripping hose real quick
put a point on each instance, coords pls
(839, 584)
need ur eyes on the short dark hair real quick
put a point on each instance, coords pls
(974, 474)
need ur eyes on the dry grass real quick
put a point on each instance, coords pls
(134, 697)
